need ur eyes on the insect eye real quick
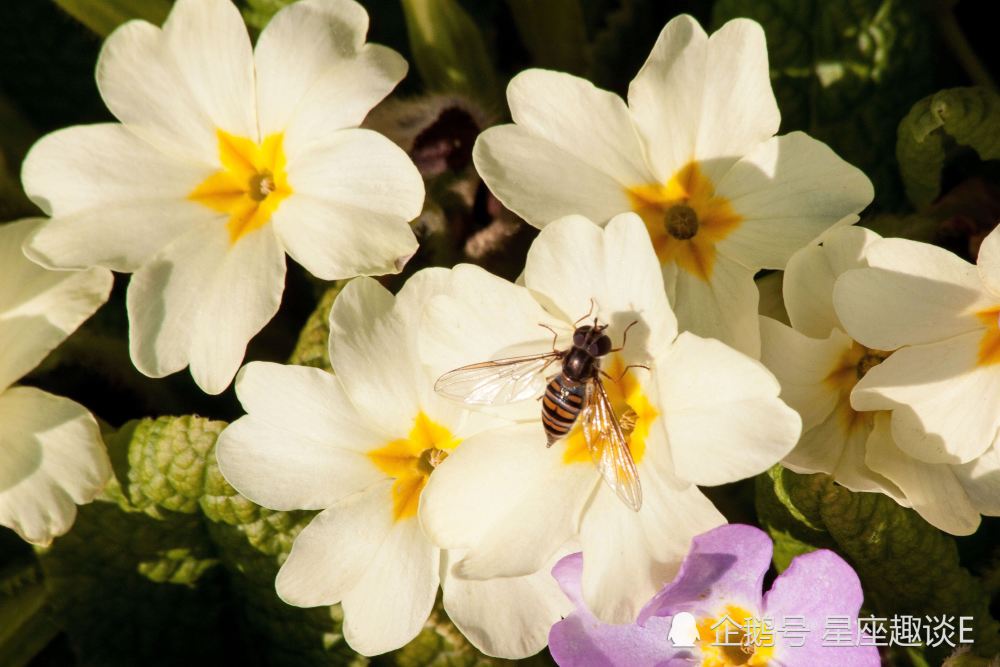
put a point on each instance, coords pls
(580, 335)
(603, 346)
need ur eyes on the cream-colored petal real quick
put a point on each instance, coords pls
(178, 85)
(788, 191)
(932, 489)
(704, 97)
(628, 556)
(506, 617)
(201, 300)
(39, 308)
(811, 273)
(942, 401)
(574, 264)
(914, 293)
(52, 459)
(542, 182)
(316, 75)
(721, 431)
(723, 307)
(115, 199)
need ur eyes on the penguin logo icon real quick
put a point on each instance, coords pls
(683, 631)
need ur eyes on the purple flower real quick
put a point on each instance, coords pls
(808, 618)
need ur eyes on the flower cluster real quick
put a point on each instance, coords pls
(634, 323)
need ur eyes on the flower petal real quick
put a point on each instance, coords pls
(931, 489)
(507, 617)
(507, 498)
(811, 273)
(788, 191)
(915, 293)
(575, 265)
(116, 199)
(301, 446)
(392, 601)
(724, 565)
(725, 307)
(52, 459)
(584, 641)
(704, 97)
(201, 300)
(802, 365)
(981, 480)
(542, 182)
(628, 556)
(817, 586)
(354, 529)
(315, 74)
(720, 432)
(942, 401)
(39, 308)
(353, 197)
(179, 85)
(988, 262)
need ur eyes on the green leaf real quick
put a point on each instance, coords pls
(906, 566)
(553, 32)
(103, 16)
(449, 51)
(258, 13)
(24, 625)
(845, 72)
(967, 117)
(312, 348)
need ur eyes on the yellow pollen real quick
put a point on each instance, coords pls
(634, 411)
(411, 460)
(250, 185)
(989, 346)
(685, 219)
(740, 638)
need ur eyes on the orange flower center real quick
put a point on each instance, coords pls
(250, 185)
(411, 460)
(989, 346)
(685, 219)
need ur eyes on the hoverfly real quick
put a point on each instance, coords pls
(575, 393)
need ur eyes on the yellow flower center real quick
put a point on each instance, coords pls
(989, 346)
(849, 369)
(411, 460)
(735, 638)
(250, 185)
(685, 219)
(634, 411)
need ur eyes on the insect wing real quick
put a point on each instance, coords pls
(497, 382)
(608, 446)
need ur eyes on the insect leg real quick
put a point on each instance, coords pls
(555, 336)
(625, 336)
(591, 310)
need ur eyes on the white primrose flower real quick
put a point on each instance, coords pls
(821, 368)
(939, 313)
(360, 445)
(694, 153)
(695, 411)
(52, 457)
(226, 158)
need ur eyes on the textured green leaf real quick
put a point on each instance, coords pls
(24, 625)
(846, 72)
(103, 16)
(258, 13)
(553, 32)
(906, 565)
(967, 117)
(312, 347)
(449, 51)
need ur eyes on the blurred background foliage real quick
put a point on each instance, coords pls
(172, 566)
